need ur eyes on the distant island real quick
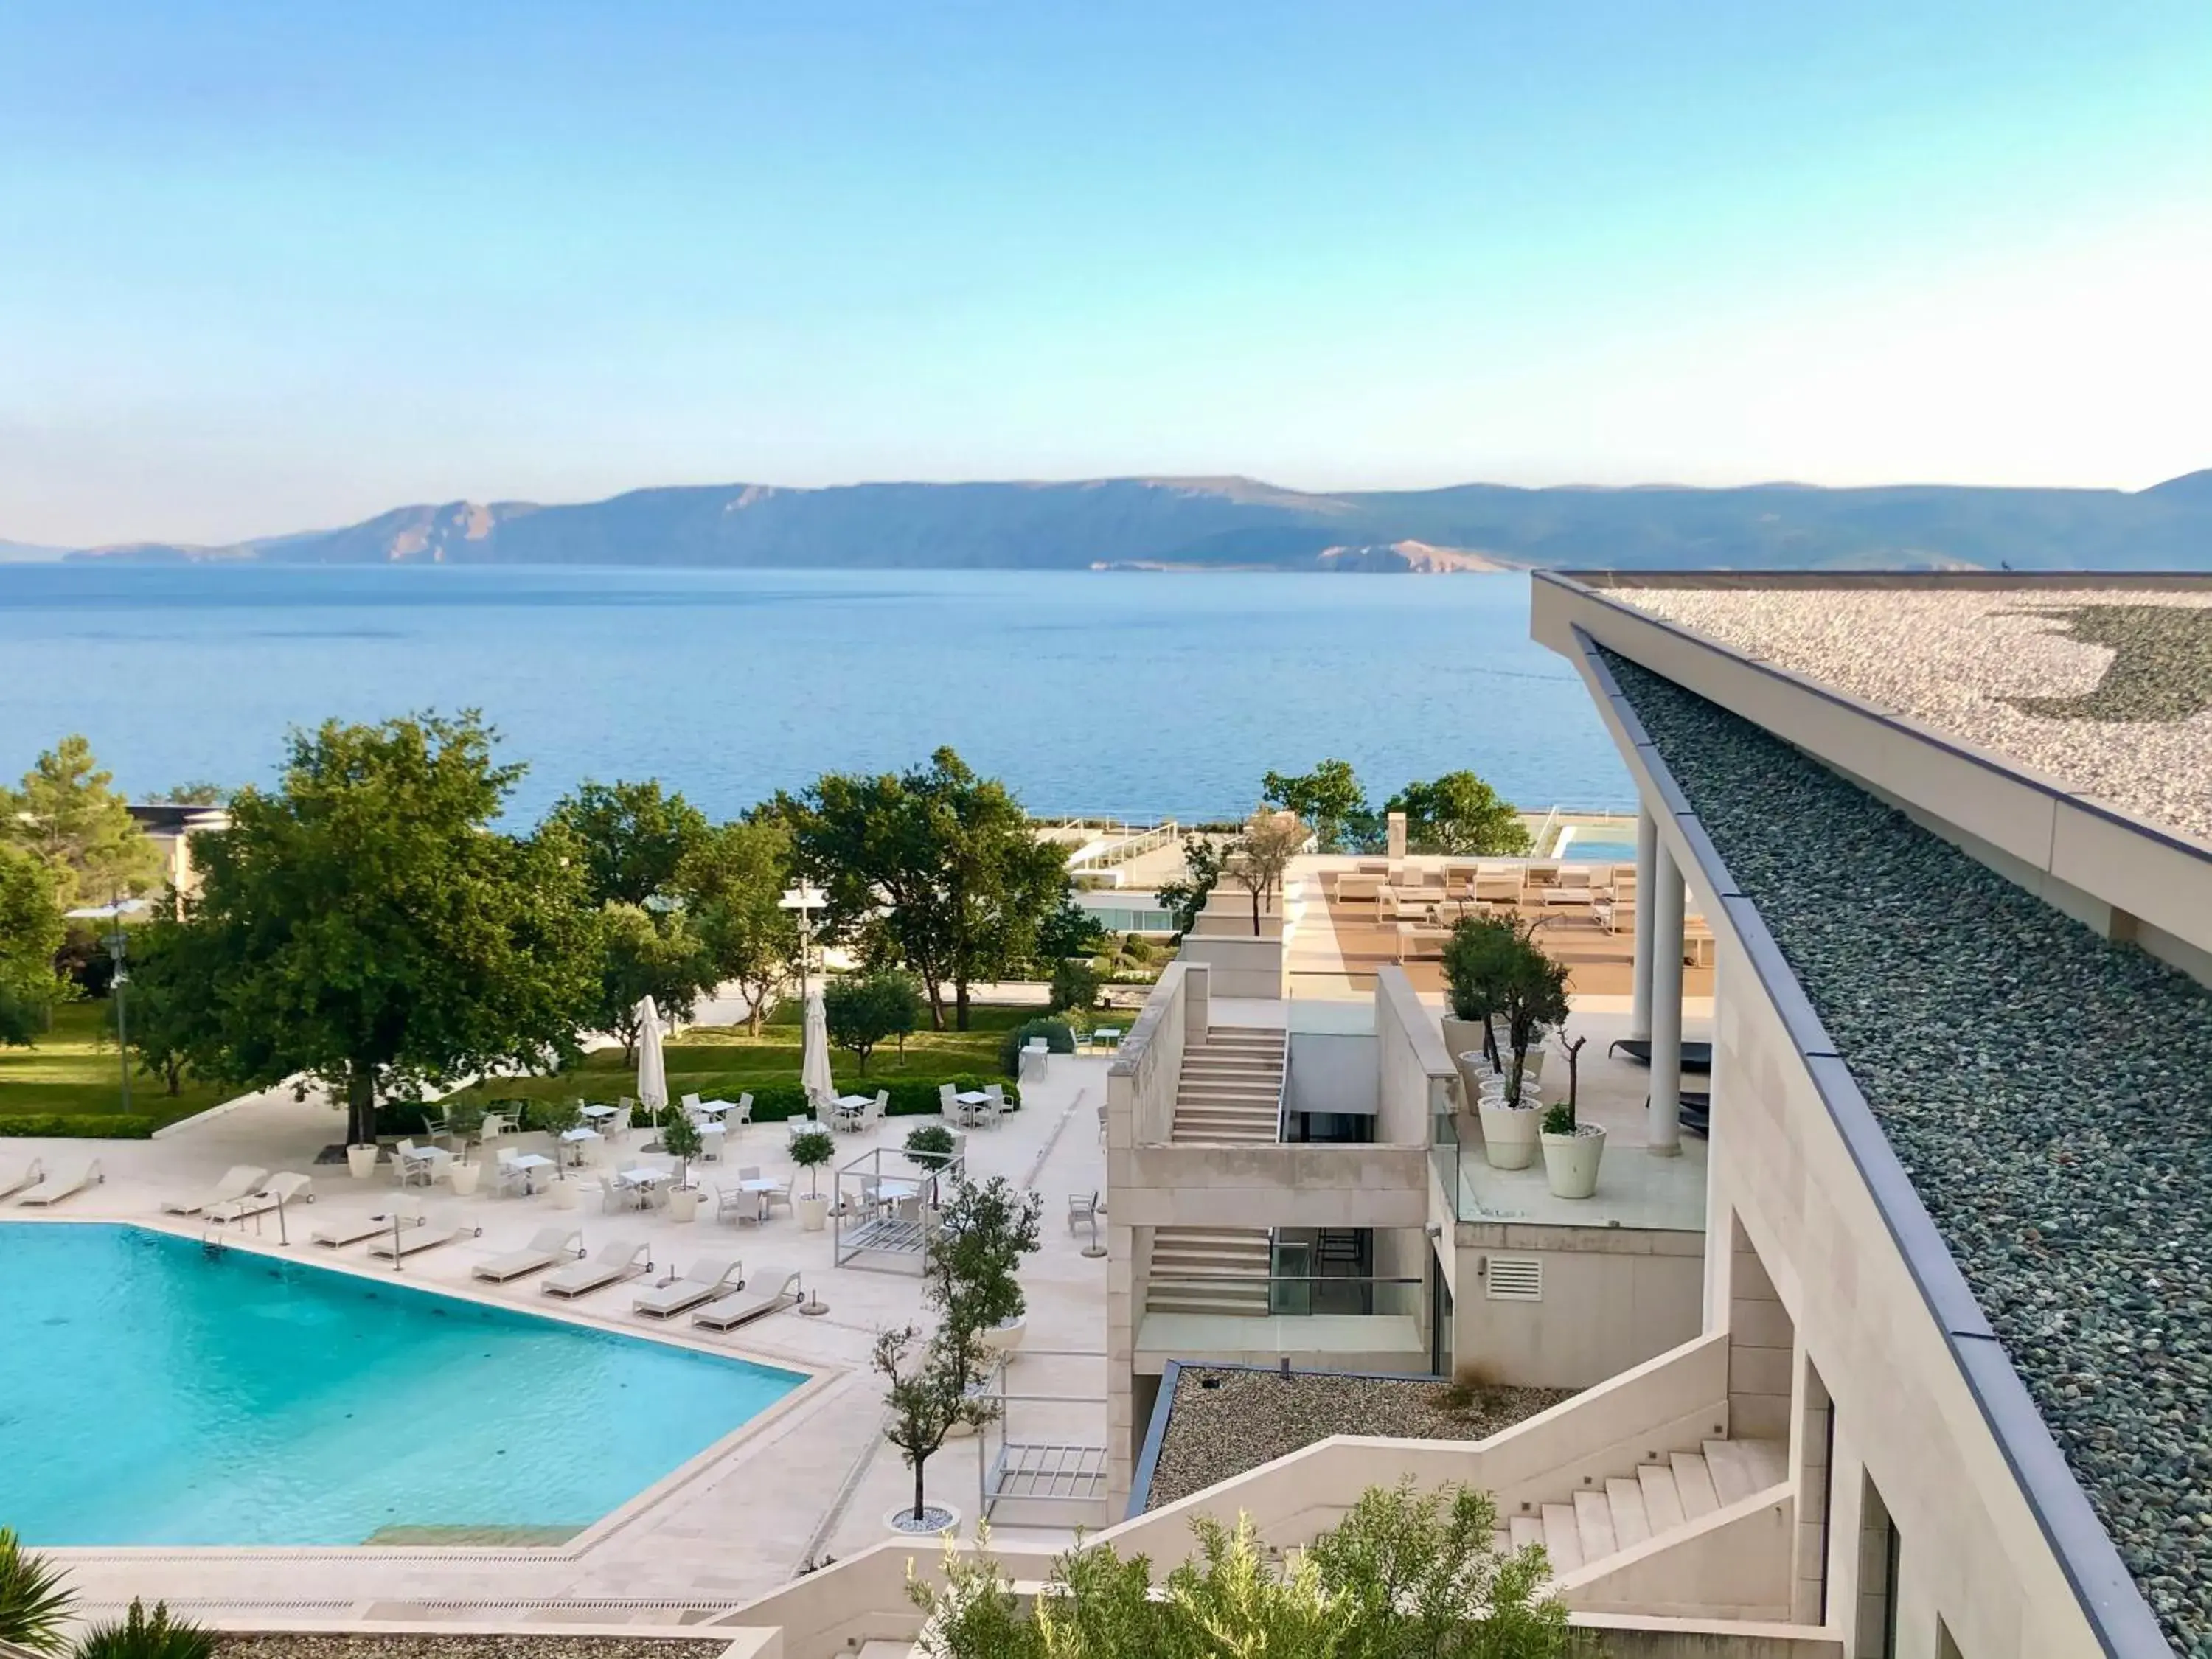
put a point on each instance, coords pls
(1241, 524)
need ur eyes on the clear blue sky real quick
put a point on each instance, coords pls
(268, 266)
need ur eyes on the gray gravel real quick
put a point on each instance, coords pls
(381, 1644)
(2050, 1092)
(2107, 692)
(1251, 1418)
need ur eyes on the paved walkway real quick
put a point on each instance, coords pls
(813, 1477)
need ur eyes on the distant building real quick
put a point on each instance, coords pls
(172, 828)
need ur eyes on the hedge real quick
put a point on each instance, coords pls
(909, 1096)
(79, 1126)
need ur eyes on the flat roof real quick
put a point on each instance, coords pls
(2103, 685)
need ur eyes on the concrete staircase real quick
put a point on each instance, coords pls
(1658, 1499)
(1233, 1261)
(1230, 1089)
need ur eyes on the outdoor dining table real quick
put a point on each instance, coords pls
(1108, 1036)
(576, 1141)
(601, 1113)
(760, 1187)
(713, 1108)
(850, 1106)
(530, 1163)
(643, 1182)
(974, 1105)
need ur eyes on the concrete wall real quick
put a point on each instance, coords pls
(1243, 966)
(1415, 1075)
(1612, 1298)
(1333, 1072)
(1309, 1184)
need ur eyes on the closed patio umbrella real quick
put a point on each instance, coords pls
(814, 1056)
(652, 1069)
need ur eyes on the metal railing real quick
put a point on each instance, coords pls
(1296, 1295)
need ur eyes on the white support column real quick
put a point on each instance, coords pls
(1647, 877)
(1663, 1131)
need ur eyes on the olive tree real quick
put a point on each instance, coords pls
(1262, 854)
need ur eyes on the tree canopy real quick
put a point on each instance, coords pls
(732, 883)
(1185, 898)
(1458, 813)
(30, 930)
(635, 838)
(644, 955)
(67, 813)
(1262, 854)
(933, 868)
(860, 1013)
(364, 926)
(1330, 802)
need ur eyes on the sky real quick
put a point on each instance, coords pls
(272, 266)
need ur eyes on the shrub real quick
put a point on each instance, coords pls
(1058, 1036)
(142, 1635)
(929, 1145)
(79, 1126)
(34, 1602)
(1075, 985)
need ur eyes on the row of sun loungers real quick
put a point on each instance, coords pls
(33, 1184)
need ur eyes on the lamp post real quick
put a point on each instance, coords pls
(119, 943)
(806, 900)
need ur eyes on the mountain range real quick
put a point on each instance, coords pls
(1232, 523)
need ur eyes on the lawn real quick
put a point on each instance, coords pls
(716, 1060)
(73, 1069)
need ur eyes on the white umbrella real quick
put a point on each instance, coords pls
(814, 1055)
(652, 1070)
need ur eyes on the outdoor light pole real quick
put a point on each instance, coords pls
(806, 900)
(117, 944)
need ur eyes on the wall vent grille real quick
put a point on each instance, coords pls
(1514, 1279)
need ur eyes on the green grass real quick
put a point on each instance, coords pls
(73, 1069)
(722, 1060)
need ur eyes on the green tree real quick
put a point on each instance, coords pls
(928, 1400)
(67, 813)
(34, 1600)
(1480, 958)
(970, 1263)
(1534, 1000)
(1184, 899)
(1260, 856)
(1075, 984)
(195, 791)
(1330, 802)
(732, 883)
(941, 864)
(363, 925)
(165, 1009)
(634, 839)
(1405, 1575)
(1459, 814)
(1070, 931)
(142, 1635)
(644, 955)
(30, 930)
(862, 1011)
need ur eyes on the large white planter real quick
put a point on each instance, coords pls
(464, 1177)
(684, 1204)
(1570, 1161)
(1002, 1339)
(813, 1213)
(565, 1195)
(1510, 1132)
(361, 1161)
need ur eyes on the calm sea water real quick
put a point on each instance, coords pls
(1135, 695)
(149, 1394)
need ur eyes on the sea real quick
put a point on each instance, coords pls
(1133, 695)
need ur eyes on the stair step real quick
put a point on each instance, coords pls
(1165, 1301)
(1525, 1529)
(1624, 1499)
(1768, 1460)
(1562, 1542)
(1693, 1483)
(1594, 1525)
(1735, 1470)
(1662, 1504)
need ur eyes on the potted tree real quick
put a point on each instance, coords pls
(810, 1150)
(928, 1403)
(969, 1274)
(557, 1118)
(1531, 994)
(1478, 957)
(681, 1139)
(929, 1145)
(1572, 1149)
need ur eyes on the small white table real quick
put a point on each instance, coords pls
(601, 1113)
(576, 1141)
(1108, 1036)
(850, 1107)
(713, 1108)
(974, 1107)
(643, 1182)
(760, 1187)
(530, 1163)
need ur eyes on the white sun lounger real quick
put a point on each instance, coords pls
(237, 1181)
(547, 1246)
(728, 1312)
(16, 1178)
(286, 1188)
(706, 1279)
(71, 1178)
(606, 1265)
(414, 1243)
(339, 1234)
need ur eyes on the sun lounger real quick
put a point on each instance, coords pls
(728, 1313)
(548, 1246)
(278, 1189)
(237, 1180)
(414, 1243)
(69, 1179)
(339, 1234)
(705, 1280)
(1696, 1056)
(15, 1177)
(607, 1264)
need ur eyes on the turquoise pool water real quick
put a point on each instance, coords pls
(151, 1394)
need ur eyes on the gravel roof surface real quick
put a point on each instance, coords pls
(2050, 1093)
(2106, 691)
(491, 1645)
(1248, 1417)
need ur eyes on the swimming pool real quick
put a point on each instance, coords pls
(152, 1393)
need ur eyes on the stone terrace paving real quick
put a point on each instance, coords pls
(2108, 691)
(817, 1478)
(2051, 1094)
